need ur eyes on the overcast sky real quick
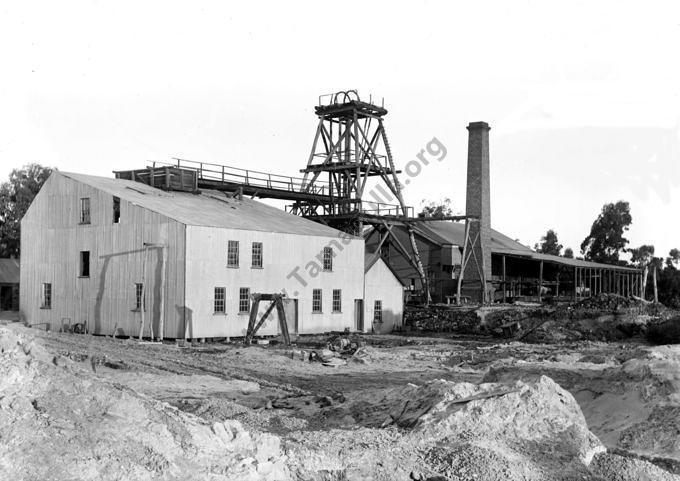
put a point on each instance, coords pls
(583, 97)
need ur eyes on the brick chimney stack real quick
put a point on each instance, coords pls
(478, 204)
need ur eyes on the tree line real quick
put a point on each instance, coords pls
(16, 195)
(606, 243)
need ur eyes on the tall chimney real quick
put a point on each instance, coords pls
(478, 204)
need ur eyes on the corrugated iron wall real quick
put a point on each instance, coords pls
(51, 241)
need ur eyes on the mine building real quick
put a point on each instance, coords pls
(109, 253)
(509, 270)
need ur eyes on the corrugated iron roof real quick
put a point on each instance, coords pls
(9, 271)
(209, 208)
(566, 261)
(454, 232)
(446, 232)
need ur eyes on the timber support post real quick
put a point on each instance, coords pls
(254, 325)
(540, 281)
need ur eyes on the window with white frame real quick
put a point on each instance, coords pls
(327, 258)
(377, 311)
(232, 254)
(85, 210)
(218, 302)
(337, 300)
(244, 300)
(46, 296)
(316, 300)
(257, 255)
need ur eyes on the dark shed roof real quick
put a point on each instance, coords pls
(453, 233)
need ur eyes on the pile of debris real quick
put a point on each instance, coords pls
(442, 319)
(664, 331)
(338, 350)
(608, 302)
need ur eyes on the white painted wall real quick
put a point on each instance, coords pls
(381, 284)
(206, 268)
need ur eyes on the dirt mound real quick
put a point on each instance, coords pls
(480, 431)
(518, 418)
(61, 422)
(631, 405)
(612, 467)
(665, 332)
(609, 302)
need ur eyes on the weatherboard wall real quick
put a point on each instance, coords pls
(382, 285)
(282, 253)
(52, 238)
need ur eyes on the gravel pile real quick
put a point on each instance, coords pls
(59, 421)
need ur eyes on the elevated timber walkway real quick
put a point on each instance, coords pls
(189, 175)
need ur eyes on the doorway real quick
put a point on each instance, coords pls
(290, 307)
(359, 314)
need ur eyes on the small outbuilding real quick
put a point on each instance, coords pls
(9, 284)
(383, 296)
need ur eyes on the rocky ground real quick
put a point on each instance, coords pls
(401, 407)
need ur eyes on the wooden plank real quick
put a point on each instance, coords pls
(164, 275)
(540, 281)
(575, 283)
(143, 302)
(504, 280)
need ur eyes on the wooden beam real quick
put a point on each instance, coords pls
(143, 306)
(164, 275)
(540, 281)
(504, 280)
(463, 262)
(575, 283)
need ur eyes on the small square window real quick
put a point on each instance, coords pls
(337, 300)
(243, 300)
(84, 264)
(116, 210)
(232, 254)
(377, 311)
(85, 210)
(219, 299)
(46, 296)
(257, 254)
(327, 258)
(316, 300)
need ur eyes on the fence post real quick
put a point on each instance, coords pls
(223, 174)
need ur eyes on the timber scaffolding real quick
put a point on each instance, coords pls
(349, 148)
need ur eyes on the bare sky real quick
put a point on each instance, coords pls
(583, 97)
